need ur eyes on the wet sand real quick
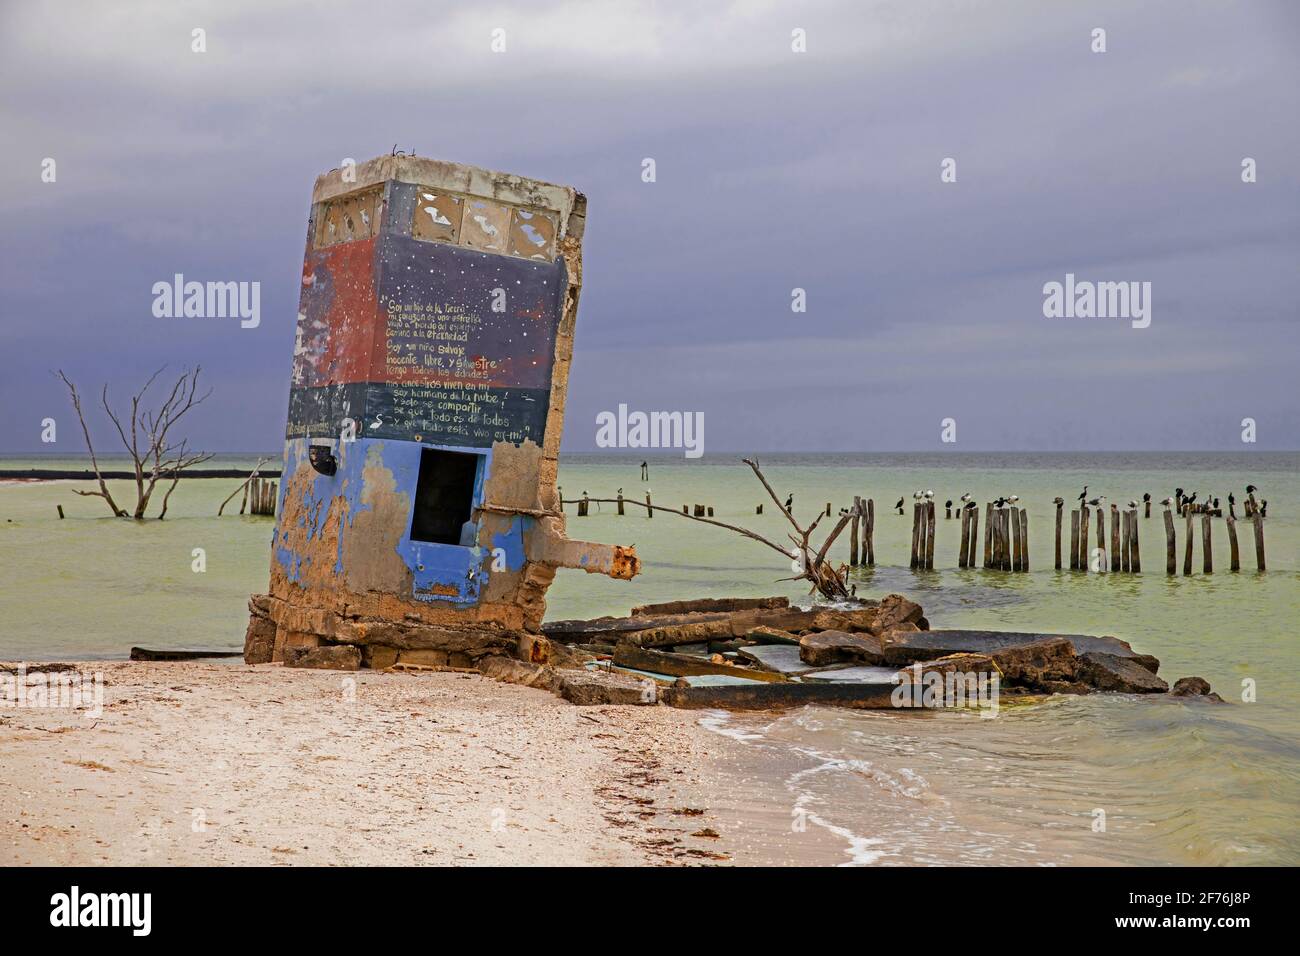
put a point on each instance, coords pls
(206, 763)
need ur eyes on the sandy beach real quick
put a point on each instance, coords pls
(212, 763)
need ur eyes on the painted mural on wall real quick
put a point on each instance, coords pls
(420, 339)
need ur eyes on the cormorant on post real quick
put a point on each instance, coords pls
(789, 501)
(1251, 489)
(899, 506)
(1083, 496)
(948, 503)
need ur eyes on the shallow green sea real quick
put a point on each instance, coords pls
(1180, 782)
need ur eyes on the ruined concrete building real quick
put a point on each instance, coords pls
(418, 520)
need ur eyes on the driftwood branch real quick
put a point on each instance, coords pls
(251, 476)
(827, 580)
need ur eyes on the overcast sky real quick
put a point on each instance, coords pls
(775, 170)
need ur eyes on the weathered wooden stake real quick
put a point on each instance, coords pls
(1015, 538)
(1101, 541)
(1115, 559)
(758, 510)
(1206, 546)
(1059, 509)
(1084, 563)
(1258, 519)
(853, 532)
(965, 537)
(1171, 548)
(1125, 549)
(650, 510)
(929, 536)
(1024, 539)
(1136, 562)
(1187, 554)
(916, 532)
(1234, 556)
(1074, 540)
(828, 509)
(620, 502)
(974, 536)
(709, 511)
(871, 531)
(988, 535)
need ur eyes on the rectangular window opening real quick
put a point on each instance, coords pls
(444, 497)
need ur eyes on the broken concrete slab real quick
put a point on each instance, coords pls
(683, 665)
(790, 694)
(771, 635)
(963, 663)
(1038, 663)
(781, 658)
(1115, 673)
(335, 657)
(711, 604)
(588, 688)
(853, 675)
(833, 647)
(923, 645)
(895, 610)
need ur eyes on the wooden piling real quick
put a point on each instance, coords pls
(1060, 507)
(1187, 554)
(1074, 540)
(853, 532)
(709, 511)
(60, 507)
(1234, 555)
(1085, 564)
(1024, 539)
(1114, 538)
(916, 532)
(650, 510)
(1124, 561)
(1171, 548)
(1258, 519)
(1103, 565)
(1136, 562)
(988, 535)
(871, 532)
(759, 509)
(1206, 546)
(965, 537)
(1147, 509)
(620, 502)
(1015, 538)
(929, 537)
(828, 509)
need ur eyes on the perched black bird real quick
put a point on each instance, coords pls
(999, 503)
(1083, 495)
(789, 501)
(948, 503)
(1250, 489)
(1146, 496)
(1216, 504)
(899, 506)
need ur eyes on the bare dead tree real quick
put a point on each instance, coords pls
(153, 455)
(826, 579)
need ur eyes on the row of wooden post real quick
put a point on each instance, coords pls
(863, 514)
(1006, 538)
(923, 535)
(1125, 555)
(259, 497)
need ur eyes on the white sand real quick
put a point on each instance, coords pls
(212, 763)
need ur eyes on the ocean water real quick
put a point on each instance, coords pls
(1178, 782)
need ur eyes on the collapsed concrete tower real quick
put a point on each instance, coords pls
(417, 518)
